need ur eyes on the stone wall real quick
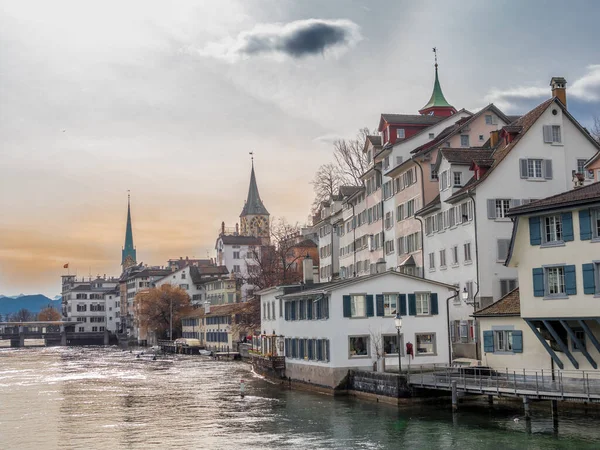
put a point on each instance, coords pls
(378, 383)
(315, 374)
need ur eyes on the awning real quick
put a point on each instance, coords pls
(410, 261)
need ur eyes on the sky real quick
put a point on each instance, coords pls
(167, 99)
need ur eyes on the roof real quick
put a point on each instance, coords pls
(592, 159)
(374, 140)
(432, 205)
(220, 310)
(306, 243)
(575, 197)
(437, 98)
(128, 248)
(409, 119)
(346, 191)
(509, 305)
(196, 273)
(325, 288)
(512, 118)
(239, 240)
(466, 156)
(253, 205)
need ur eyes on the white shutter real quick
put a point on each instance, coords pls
(523, 167)
(503, 245)
(398, 160)
(491, 208)
(548, 133)
(548, 169)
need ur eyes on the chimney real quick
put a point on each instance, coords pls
(307, 270)
(559, 89)
(223, 228)
(237, 229)
(206, 307)
(494, 138)
(380, 265)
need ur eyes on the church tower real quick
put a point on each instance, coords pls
(128, 254)
(437, 105)
(254, 219)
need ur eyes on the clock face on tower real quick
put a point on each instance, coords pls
(258, 226)
(128, 262)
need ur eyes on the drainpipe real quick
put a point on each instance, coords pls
(421, 220)
(456, 293)
(475, 326)
(354, 241)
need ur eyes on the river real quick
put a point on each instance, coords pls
(106, 398)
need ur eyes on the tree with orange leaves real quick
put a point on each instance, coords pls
(153, 308)
(48, 315)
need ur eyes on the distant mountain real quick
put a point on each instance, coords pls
(57, 297)
(34, 303)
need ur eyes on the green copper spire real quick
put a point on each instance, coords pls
(128, 254)
(437, 96)
(254, 205)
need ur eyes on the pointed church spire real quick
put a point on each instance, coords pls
(437, 105)
(254, 205)
(128, 257)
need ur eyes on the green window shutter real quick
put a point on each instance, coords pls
(412, 305)
(570, 280)
(293, 310)
(488, 341)
(585, 225)
(517, 341)
(370, 309)
(589, 283)
(538, 282)
(310, 349)
(347, 307)
(402, 301)
(309, 310)
(380, 308)
(567, 227)
(535, 232)
(434, 303)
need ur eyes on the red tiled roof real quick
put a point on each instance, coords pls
(509, 305)
(585, 194)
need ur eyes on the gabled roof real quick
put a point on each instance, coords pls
(464, 156)
(570, 199)
(429, 207)
(197, 273)
(408, 119)
(253, 205)
(239, 240)
(348, 191)
(509, 305)
(227, 309)
(592, 159)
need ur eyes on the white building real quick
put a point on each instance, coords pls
(554, 249)
(333, 327)
(467, 231)
(112, 309)
(193, 280)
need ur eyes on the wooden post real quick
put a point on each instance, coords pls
(454, 397)
(526, 408)
(491, 399)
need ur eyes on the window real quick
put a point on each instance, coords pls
(502, 206)
(467, 248)
(94, 329)
(503, 341)
(464, 140)
(488, 119)
(595, 213)
(580, 335)
(431, 135)
(481, 137)
(534, 168)
(183, 275)
(422, 299)
(432, 261)
(502, 246)
(555, 281)
(410, 208)
(425, 344)
(581, 169)
(400, 133)
(433, 172)
(455, 255)
(443, 258)
(444, 181)
(390, 302)
(358, 306)
(400, 213)
(457, 179)
(553, 229)
(507, 286)
(236, 255)
(358, 346)
(552, 134)
(80, 329)
(236, 269)
(388, 220)
(184, 286)
(390, 344)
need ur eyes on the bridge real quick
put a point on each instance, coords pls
(45, 333)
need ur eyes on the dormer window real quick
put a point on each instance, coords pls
(400, 133)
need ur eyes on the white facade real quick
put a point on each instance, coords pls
(350, 320)
(182, 278)
(112, 309)
(84, 302)
(235, 252)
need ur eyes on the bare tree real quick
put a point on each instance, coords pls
(596, 128)
(23, 315)
(349, 157)
(377, 342)
(327, 180)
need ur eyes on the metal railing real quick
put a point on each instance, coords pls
(522, 382)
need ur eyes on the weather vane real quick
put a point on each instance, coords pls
(435, 55)
(251, 155)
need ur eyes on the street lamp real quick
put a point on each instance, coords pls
(465, 294)
(398, 323)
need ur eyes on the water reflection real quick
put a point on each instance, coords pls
(105, 398)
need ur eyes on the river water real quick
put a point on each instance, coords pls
(105, 398)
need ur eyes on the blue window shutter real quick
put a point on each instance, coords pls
(370, 309)
(589, 283)
(535, 232)
(517, 341)
(412, 305)
(488, 341)
(538, 282)
(434, 303)
(567, 226)
(585, 225)
(309, 310)
(570, 280)
(327, 358)
(402, 301)
(347, 306)
(293, 310)
(380, 308)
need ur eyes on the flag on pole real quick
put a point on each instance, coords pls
(66, 266)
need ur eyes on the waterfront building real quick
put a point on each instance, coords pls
(177, 264)
(84, 301)
(554, 249)
(467, 228)
(196, 281)
(112, 308)
(330, 328)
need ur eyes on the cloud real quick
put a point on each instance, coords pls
(583, 90)
(328, 139)
(296, 39)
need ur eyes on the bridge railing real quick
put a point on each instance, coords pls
(538, 382)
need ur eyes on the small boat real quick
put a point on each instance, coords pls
(205, 352)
